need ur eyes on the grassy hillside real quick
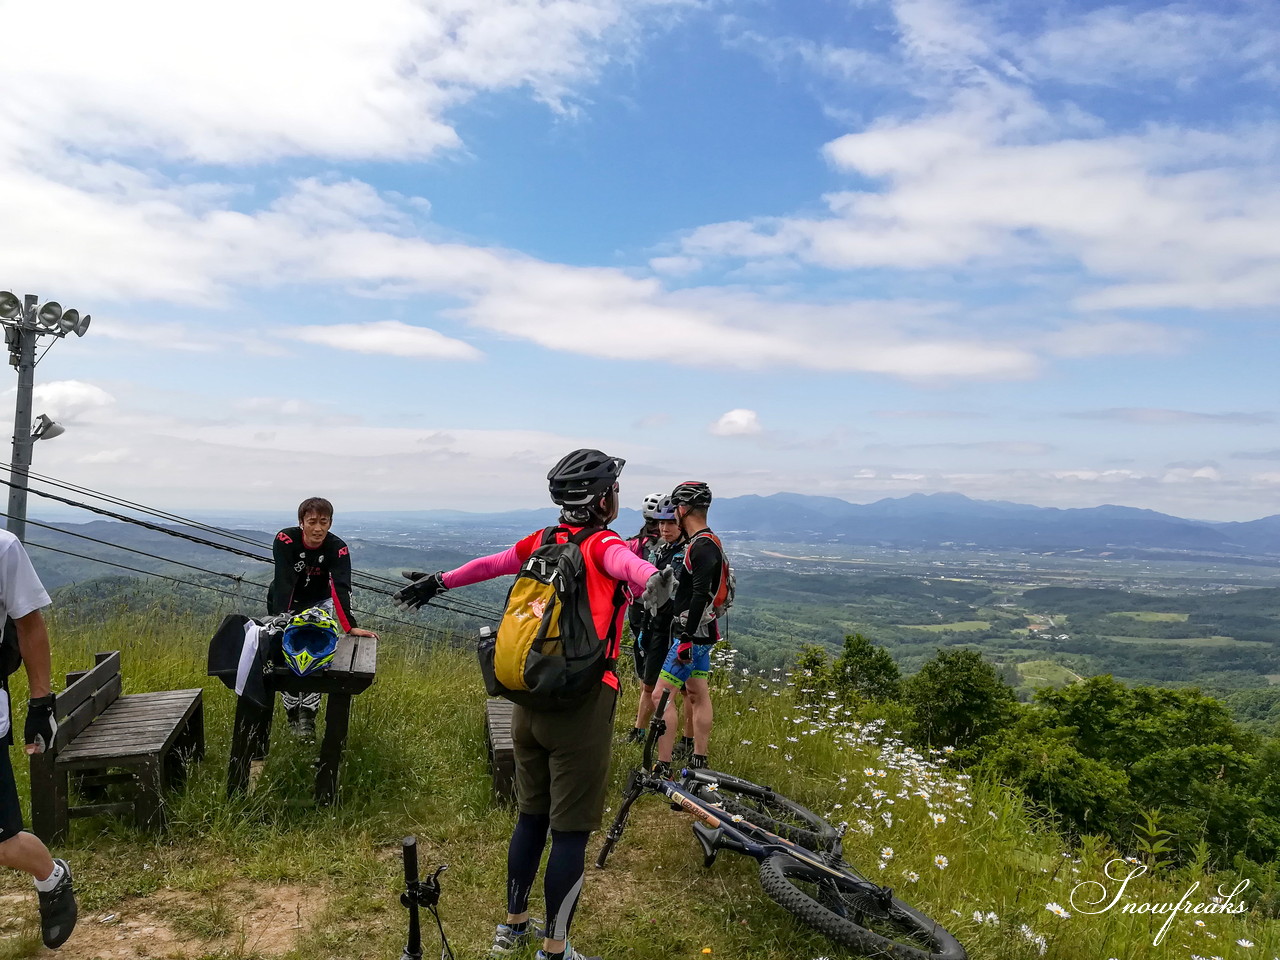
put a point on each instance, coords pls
(272, 876)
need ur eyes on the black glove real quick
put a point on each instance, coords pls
(684, 651)
(423, 588)
(40, 727)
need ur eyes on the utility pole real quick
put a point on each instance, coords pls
(24, 324)
(22, 355)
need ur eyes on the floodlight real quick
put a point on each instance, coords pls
(47, 429)
(10, 306)
(70, 320)
(50, 313)
(83, 325)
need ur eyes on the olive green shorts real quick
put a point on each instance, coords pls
(562, 760)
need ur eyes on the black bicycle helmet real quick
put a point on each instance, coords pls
(691, 493)
(583, 476)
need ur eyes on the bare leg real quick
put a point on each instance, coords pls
(668, 738)
(27, 853)
(644, 709)
(698, 706)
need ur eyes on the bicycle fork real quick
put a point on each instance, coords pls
(635, 787)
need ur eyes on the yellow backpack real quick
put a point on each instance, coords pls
(547, 654)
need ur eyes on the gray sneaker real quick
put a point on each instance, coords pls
(507, 941)
(58, 910)
(569, 954)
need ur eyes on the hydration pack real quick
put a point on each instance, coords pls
(722, 598)
(547, 654)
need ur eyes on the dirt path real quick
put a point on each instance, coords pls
(172, 925)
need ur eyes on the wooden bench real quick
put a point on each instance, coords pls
(502, 757)
(141, 741)
(354, 666)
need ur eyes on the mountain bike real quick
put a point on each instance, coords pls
(814, 883)
(421, 893)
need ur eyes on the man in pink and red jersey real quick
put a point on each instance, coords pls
(562, 758)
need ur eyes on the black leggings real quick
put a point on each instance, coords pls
(562, 884)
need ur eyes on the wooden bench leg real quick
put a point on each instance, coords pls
(187, 749)
(50, 800)
(149, 806)
(250, 740)
(196, 729)
(336, 720)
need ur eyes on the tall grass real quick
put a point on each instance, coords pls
(964, 852)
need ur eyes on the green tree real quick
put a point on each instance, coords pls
(1086, 794)
(957, 698)
(814, 666)
(866, 670)
(1125, 726)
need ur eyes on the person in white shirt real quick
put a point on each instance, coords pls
(21, 598)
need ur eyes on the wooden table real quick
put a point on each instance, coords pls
(351, 672)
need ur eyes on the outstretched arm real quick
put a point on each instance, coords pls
(484, 568)
(621, 564)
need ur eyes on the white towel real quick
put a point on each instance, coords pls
(247, 654)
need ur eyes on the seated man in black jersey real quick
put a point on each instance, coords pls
(312, 566)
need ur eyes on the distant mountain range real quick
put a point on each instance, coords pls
(444, 538)
(951, 518)
(930, 520)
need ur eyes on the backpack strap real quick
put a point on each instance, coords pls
(617, 602)
(723, 586)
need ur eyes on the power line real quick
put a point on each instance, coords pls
(455, 605)
(125, 566)
(214, 573)
(120, 501)
(121, 546)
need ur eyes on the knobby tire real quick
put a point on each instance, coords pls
(775, 813)
(900, 932)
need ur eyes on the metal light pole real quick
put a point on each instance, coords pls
(22, 354)
(23, 326)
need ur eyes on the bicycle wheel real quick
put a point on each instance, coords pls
(764, 808)
(841, 908)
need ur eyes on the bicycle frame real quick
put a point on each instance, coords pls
(716, 830)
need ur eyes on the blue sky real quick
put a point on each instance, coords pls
(407, 256)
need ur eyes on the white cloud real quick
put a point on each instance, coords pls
(1082, 340)
(967, 186)
(736, 423)
(184, 245)
(1162, 416)
(67, 399)
(1180, 43)
(675, 266)
(181, 464)
(252, 81)
(560, 308)
(982, 172)
(387, 337)
(1003, 448)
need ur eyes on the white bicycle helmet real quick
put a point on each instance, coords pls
(666, 510)
(649, 508)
